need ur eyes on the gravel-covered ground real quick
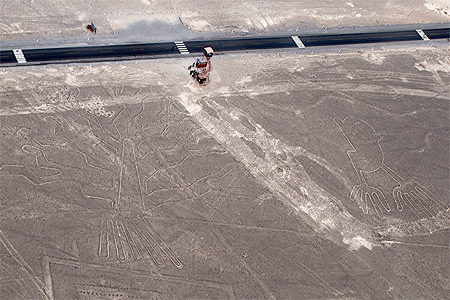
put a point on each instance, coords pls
(288, 176)
(27, 23)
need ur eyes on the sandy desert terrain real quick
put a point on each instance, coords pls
(129, 180)
(37, 23)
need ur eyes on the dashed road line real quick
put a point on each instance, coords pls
(298, 41)
(182, 47)
(46, 55)
(422, 35)
(19, 56)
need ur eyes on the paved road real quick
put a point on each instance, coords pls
(134, 51)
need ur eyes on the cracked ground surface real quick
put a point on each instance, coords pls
(319, 176)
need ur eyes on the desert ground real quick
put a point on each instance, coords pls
(33, 23)
(317, 174)
(129, 180)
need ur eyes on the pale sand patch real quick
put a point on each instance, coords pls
(440, 6)
(135, 20)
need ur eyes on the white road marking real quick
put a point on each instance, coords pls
(19, 56)
(182, 47)
(423, 35)
(298, 41)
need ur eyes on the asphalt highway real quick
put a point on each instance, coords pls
(135, 51)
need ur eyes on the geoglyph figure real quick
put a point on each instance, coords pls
(368, 157)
